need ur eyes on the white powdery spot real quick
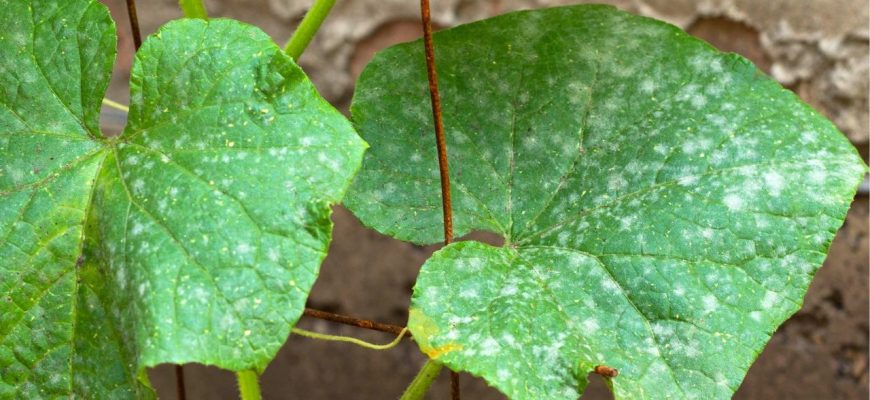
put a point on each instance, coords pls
(591, 325)
(616, 182)
(273, 255)
(817, 176)
(700, 62)
(137, 229)
(489, 347)
(634, 167)
(698, 100)
(733, 202)
(774, 182)
(721, 380)
(468, 293)
(687, 181)
(609, 285)
(474, 264)
(138, 185)
(121, 277)
(626, 222)
(509, 290)
(162, 205)
(711, 303)
(770, 299)
(809, 137)
(663, 330)
(707, 233)
(693, 146)
(575, 260)
(648, 86)
(563, 238)
(243, 248)
(530, 142)
(755, 315)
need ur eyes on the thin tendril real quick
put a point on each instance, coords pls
(348, 339)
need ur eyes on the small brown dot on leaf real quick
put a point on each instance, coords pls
(606, 371)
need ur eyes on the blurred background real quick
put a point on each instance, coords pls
(817, 48)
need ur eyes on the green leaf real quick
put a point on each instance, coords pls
(664, 205)
(195, 236)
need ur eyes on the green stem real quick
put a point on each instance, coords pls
(193, 9)
(308, 27)
(249, 387)
(421, 383)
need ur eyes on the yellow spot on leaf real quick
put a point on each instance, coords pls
(425, 328)
(435, 353)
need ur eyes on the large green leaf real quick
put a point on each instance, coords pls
(664, 206)
(195, 236)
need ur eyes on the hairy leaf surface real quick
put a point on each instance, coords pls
(664, 205)
(194, 236)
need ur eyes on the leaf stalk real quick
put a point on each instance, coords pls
(249, 386)
(308, 28)
(421, 383)
(193, 9)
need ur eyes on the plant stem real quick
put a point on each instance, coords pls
(439, 123)
(179, 382)
(134, 23)
(421, 383)
(357, 322)
(308, 27)
(348, 339)
(249, 387)
(193, 9)
(441, 143)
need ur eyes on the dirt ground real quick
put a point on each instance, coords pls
(820, 353)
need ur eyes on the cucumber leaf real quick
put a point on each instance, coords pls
(195, 236)
(664, 206)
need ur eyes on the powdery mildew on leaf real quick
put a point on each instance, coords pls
(195, 236)
(664, 205)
